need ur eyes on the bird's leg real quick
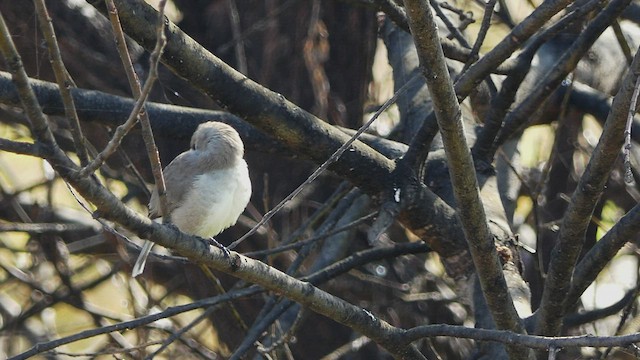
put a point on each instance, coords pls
(209, 241)
(214, 242)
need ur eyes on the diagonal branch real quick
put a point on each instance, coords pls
(580, 210)
(567, 63)
(134, 84)
(602, 252)
(521, 33)
(63, 79)
(461, 169)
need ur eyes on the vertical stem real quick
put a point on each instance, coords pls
(462, 170)
(63, 79)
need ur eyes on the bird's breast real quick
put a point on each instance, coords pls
(215, 202)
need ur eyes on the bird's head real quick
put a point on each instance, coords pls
(219, 139)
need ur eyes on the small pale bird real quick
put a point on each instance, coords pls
(207, 187)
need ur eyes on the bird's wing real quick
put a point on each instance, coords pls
(179, 176)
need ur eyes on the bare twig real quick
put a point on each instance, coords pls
(455, 32)
(351, 346)
(628, 174)
(123, 129)
(63, 79)
(256, 26)
(520, 116)
(624, 44)
(578, 215)
(523, 31)
(312, 239)
(335, 156)
(602, 252)
(134, 84)
(483, 148)
(168, 341)
(43, 228)
(530, 341)
(141, 321)
(506, 337)
(482, 33)
(234, 16)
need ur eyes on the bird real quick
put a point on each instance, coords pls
(207, 186)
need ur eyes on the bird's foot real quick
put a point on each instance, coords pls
(214, 242)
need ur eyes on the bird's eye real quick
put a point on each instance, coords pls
(193, 146)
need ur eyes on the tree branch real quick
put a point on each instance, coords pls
(578, 215)
(111, 110)
(567, 63)
(63, 79)
(461, 168)
(602, 252)
(511, 42)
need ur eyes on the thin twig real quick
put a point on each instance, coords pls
(507, 337)
(64, 80)
(350, 347)
(285, 338)
(221, 290)
(44, 228)
(510, 43)
(335, 156)
(181, 331)
(134, 84)
(622, 41)
(628, 174)
(256, 26)
(131, 324)
(234, 16)
(629, 308)
(312, 239)
(123, 129)
(454, 31)
(482, 34)
(521, 115)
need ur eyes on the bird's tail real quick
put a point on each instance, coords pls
(138, 268)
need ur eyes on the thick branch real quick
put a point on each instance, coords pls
(111, 110)
(461, 168)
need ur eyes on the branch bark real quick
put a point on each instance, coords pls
(461, 170)
(580, 210)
